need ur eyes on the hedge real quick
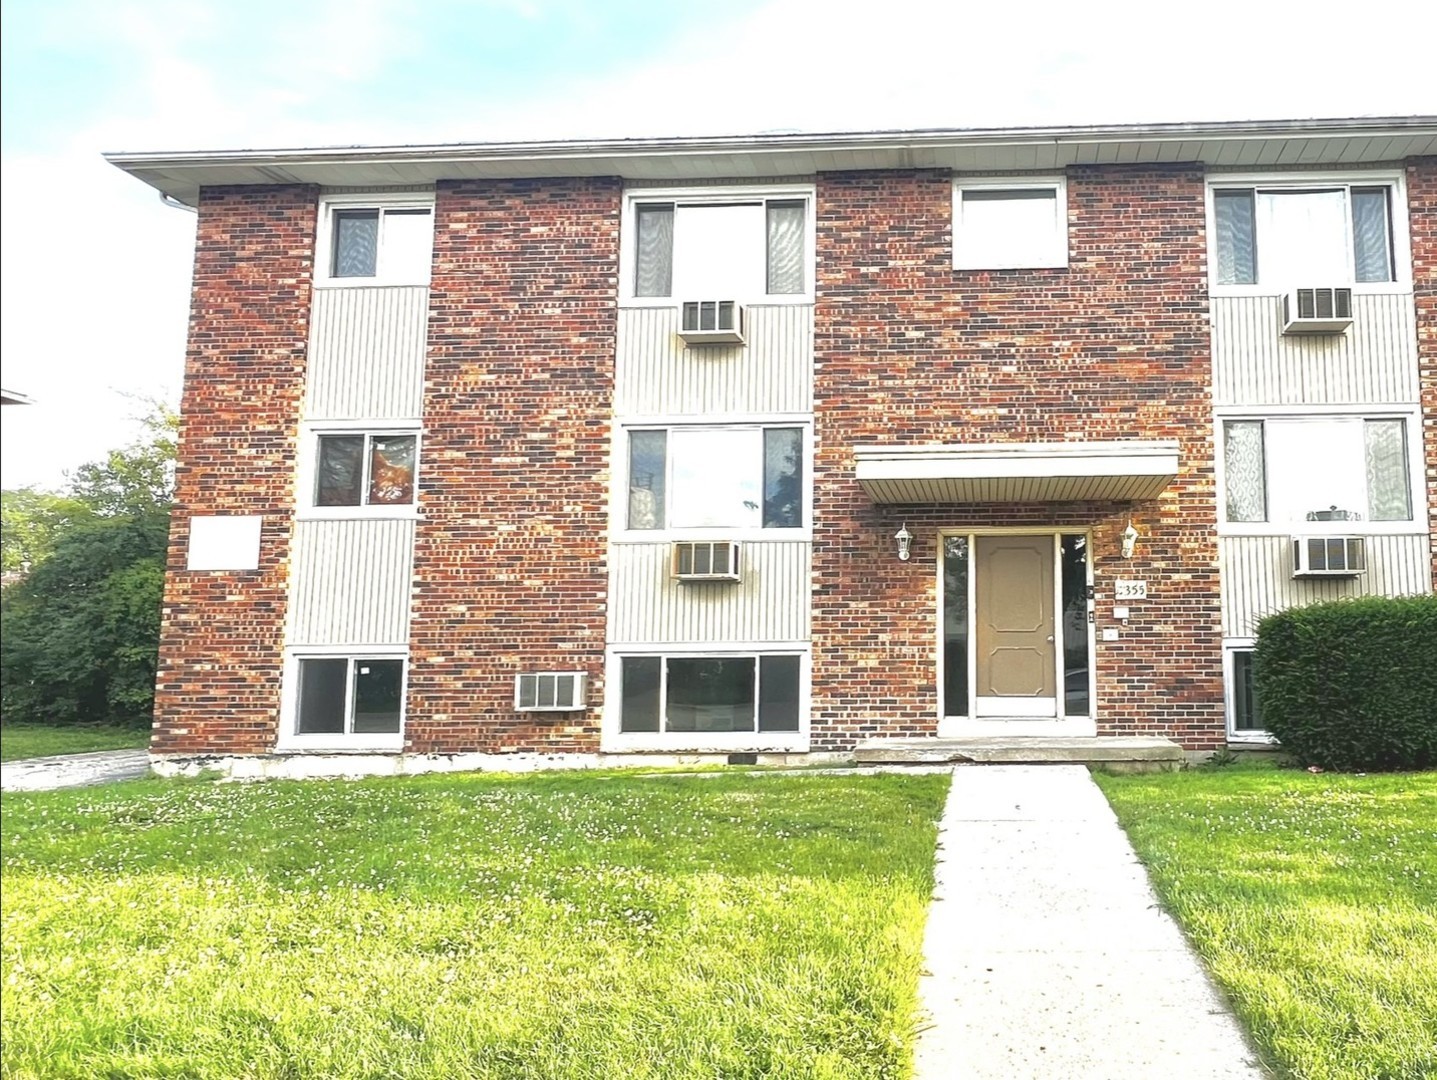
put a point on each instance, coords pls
(1352, 684)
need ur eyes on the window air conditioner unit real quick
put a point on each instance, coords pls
(705, 560)
(550, 691)
(1328, 556)
(1316, 311)
(711, 322)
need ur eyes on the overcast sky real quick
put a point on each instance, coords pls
(96, 270)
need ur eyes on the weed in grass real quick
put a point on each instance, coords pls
(1313, 899)
(548, 926)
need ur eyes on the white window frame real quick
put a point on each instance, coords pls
(713, 196)
(1253, 737)
(619, 505)
(289, 739)
(613, 740)
(1410, 414)
(1303, 181)
(310, 433)
(324, 242)
(1057, 259)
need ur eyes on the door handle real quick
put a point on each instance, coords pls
(1050, 638)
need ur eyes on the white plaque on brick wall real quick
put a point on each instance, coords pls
(1130, 590)
(224, 543)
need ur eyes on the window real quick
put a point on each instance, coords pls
(349, 696)
(1317, 469)
(1244, 710)
(709, 693)
(361, 469)
(727, 250)
(1010, 225)
(377, 244)
(1285, 237)
(716, 478)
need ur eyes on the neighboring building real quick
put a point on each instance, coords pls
(569, 448)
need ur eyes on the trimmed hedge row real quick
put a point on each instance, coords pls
(1352, 684)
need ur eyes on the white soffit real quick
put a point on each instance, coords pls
(1246, 144)
(1125, 471)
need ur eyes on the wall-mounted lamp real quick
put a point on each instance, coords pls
(905, 542)
(1130, 540)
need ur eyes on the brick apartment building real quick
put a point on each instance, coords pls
(776, 444)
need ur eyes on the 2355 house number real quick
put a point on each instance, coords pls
(1130, 590)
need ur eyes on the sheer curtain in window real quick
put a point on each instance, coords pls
(1243, 471)
(1371, 234)
(1389, 494)
(785, 248)
(654, 251)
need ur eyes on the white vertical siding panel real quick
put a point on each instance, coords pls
(657, 374)
(350, 582)
(1257, 577)
(771, 603)
(366, 353)
(1254, 363)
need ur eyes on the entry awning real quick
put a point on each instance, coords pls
(1123, 471)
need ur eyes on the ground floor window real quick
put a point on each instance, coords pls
(349, 695)
(1244, 711)
(710, 693)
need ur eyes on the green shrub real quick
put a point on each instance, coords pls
(1352, 684)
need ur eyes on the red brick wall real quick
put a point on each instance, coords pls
(218, 685)
(910, 351)
(510, 567)
(1422, 205)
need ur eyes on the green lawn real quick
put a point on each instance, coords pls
(1313, 899)
(559, 925)
(29, 741)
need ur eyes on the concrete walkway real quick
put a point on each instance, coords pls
(73, 770)
(1047, 955)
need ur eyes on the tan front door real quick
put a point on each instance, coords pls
(1013, 594)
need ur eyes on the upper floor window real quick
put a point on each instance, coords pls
(376, 243)
(1317, 469)
(716, 478)
(1284, 237)
(1010, 224)
(729, 248)
(365, 469)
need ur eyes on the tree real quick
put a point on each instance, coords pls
(79, 634)
(30, 523)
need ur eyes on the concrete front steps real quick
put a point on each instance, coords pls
(1115, 753)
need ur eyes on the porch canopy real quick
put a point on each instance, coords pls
(1122, 471)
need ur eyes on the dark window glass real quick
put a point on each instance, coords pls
(356, 243)
(1246, 715)
(647, 459)
(378, 693)
(955, 626)
(1372, 234)
(341, 470)
(391, 470)
(710, 694)
(322, 696)
(1236, 222)
(782, 478)
(640, 689)
(1075, 626)
(654, 250)
(778, 693)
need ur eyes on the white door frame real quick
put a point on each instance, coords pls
(1051, 721)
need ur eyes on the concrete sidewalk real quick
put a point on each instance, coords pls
(1046, 953)
(73, 770)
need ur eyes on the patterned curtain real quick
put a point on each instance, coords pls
(1244, 471)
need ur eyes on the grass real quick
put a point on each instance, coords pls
(1313, 899)
(558, 925)
(19, 741)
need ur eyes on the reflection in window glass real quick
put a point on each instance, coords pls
(322, 701)
(378, 694)
(639, 679)
(391, 470)
(1076, 700)
(955, 626)
(710, 694)
(782, 478)
(778, 693)
(340, 480)
(647, 464)
(1246, 715)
